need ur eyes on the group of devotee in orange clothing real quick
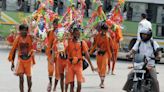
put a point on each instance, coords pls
(65, 56)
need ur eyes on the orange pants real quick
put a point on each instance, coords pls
(56, 70)
(23, 67)
(74, 70)
(102, 62)
(53, 68)
(62, 65)
(50, 69)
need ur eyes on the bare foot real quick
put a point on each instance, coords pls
(49, 87)
(101, 85)
(96, 69)
(54, 90)
(29, 90)
(108, 72)
(113, 73)
(130, 67)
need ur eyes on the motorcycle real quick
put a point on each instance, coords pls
(141, 78)
(142, 81)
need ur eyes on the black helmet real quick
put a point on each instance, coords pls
(147, 32)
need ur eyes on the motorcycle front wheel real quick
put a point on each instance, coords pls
(137, 87)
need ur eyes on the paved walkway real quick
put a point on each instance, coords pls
(9, 82)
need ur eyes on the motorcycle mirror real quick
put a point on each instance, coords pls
(160, 49)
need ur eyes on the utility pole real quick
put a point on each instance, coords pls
(25, 5)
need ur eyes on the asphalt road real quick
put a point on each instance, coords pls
(113, 83)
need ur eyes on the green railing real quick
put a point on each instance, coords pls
(130, 29)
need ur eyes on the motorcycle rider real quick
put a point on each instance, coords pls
(145, 47)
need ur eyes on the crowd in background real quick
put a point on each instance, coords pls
(58, 6)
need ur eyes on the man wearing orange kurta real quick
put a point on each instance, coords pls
(51, 39)
(75, 65)
(23, 43)
(104, 52)
(116, 36)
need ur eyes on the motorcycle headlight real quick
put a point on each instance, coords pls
(138, 65)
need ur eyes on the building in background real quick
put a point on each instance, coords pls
(154, 10)
(3, 4)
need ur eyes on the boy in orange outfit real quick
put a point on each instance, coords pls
(74, 50)
(104, 51)
(116, 36)
(23, 43)
(60, 55)
(51, 39)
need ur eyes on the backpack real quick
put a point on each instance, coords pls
(152, 44)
